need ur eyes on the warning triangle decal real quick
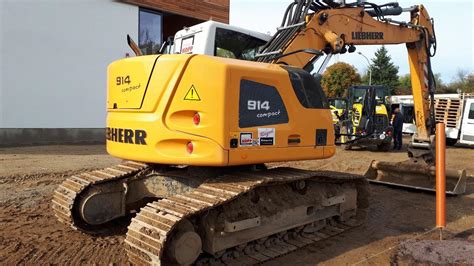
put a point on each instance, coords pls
(192, 95)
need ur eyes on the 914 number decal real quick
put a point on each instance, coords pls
(121, 80)
(258, 105)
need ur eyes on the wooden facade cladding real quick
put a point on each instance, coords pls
(217, 10)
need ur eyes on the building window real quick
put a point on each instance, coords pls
(150, 31)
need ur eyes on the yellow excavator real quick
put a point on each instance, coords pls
(196, 131)
(362, 119)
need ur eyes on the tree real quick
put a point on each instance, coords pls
(365, 78)
(470, 83)
(338, 78)
(441, 87)
(404, 85)
(464, 82)
(384, 72)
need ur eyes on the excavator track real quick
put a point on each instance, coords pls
(171, 230)
(65, 197)
(153, 232)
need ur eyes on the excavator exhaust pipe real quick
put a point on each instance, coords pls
(415, 174)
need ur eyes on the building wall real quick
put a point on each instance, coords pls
(1, 66)
(54, 56)
(173, 23)
(53, 61)
(217, 10)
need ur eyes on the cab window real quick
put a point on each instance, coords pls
(339, 104)
(307, 88)
(232, 44)
(221, 52)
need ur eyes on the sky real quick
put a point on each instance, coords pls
(454, 27)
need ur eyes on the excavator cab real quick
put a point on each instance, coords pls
(212, 38)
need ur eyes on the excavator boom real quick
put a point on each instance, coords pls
(337, 30)
(310, 27)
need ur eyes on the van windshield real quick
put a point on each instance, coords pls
(232, 44)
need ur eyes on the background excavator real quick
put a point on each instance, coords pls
(197, 130)
(362, 118)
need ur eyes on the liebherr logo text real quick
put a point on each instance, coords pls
(367, 35)
(123, 135)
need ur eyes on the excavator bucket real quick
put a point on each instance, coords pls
(415, 174)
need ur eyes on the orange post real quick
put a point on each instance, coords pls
(440, 176)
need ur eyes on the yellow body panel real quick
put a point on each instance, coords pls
(128, 85)
(380, 109)
(160, 130)
(335, 119)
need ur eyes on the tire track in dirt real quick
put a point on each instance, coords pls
(32, 235)
(47, 241)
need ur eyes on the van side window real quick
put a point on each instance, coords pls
(471, 111)
(260, 105)
(307, 88)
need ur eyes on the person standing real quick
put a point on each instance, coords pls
(397, 124)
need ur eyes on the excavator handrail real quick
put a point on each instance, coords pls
(308, 51)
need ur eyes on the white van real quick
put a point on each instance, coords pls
(452, 109)
(467, 127)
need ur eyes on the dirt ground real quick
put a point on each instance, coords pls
(30, 233)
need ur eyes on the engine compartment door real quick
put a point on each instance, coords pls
(127, 81)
